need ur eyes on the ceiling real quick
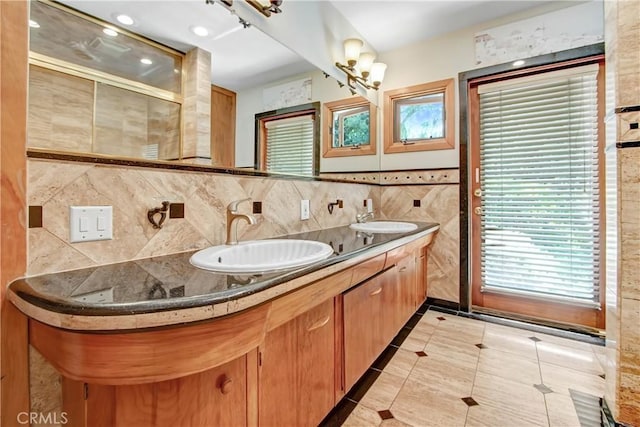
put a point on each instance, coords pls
(243, 58)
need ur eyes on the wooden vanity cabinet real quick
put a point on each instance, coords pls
(365, 331)
(216, 397)
(296, 370)
(285, 362)
(374, 312)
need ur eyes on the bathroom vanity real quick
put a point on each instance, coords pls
(158, 342)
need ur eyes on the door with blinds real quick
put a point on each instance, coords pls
(535, 194)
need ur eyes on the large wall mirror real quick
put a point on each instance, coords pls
(101, 88)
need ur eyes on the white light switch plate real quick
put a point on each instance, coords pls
(89, 223)
(304, 209)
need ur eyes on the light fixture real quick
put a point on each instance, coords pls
(125, 19)
(200, 31)
(266, 7)
(110, 32)
(146, 61)
(360, 67)
(33, 24)
(227, 3)
(518, 63)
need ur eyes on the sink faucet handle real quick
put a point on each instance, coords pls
(233, 206)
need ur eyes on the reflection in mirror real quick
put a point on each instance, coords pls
(90, 92)
(287, 140)
(349, 128)
(64, 37)
(93, 89)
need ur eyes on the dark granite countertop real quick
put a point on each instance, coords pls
(171, 283)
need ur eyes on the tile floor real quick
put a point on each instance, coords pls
(455, 371)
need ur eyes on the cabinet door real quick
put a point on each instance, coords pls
(406, 291)
(296, 376)
(216, 397)
(365, 330)
(421, 277)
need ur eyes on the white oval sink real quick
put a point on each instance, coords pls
(261, 256)
(384, 227)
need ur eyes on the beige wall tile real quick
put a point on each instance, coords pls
(439, 203)
(133, 191)
(60, 111)
(197, 104)
(625, 121)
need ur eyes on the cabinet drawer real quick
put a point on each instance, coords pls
(368, 268)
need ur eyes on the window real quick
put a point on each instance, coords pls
(287, 140)
(349, 128)
(419, 118)
(540, 192)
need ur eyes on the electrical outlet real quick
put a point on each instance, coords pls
(304, 209)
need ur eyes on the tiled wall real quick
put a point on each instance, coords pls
(132, 191)
(437, 191)
(622, 32)
(628, 340)
(438, 203)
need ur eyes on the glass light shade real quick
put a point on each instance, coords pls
(365, 62)
(377, 72)
(352, 51)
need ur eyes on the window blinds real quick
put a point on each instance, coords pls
(290, 145)
(539, 182)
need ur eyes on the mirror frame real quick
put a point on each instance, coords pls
(328, 108)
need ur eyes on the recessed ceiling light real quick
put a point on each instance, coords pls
(146, 61)
(200, 31)
(518, 63)
(110, 32)
(125, 19)
(33, 24)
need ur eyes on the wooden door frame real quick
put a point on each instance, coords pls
(469, 112)
(13, 238)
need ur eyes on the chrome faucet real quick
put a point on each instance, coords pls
(363, 217)
(232, 217)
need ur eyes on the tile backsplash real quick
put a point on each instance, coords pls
(56, 185)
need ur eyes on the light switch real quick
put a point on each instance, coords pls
(89, 223)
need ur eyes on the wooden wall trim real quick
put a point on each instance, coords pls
(13, 239)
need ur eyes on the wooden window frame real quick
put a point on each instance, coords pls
(328, 109)
(391, 145)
